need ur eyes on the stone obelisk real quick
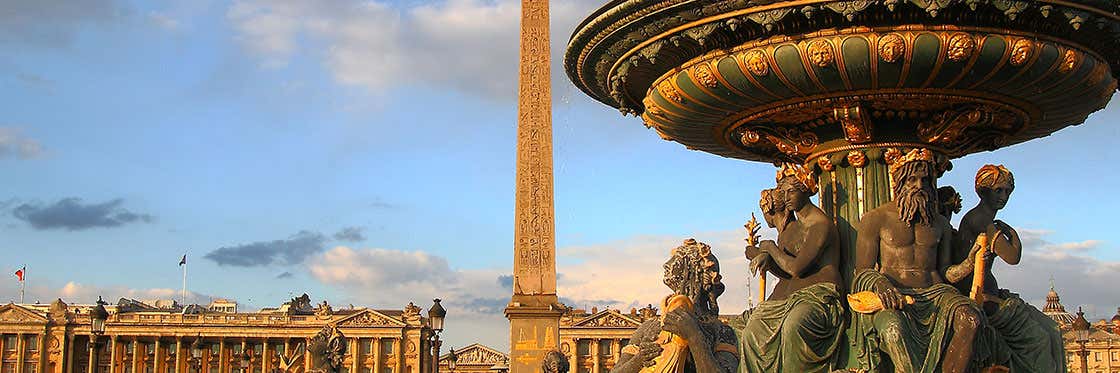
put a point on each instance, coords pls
(534, 312)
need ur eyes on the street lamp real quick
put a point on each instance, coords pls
(1081, 329)
(452, 360)
(436, 314)
(245, 357)
(97, 317)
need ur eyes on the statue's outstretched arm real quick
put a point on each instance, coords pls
(1011, 251)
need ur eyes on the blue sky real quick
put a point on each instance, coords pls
(256, 132)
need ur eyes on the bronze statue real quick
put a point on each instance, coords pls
(689, 335)
(797, 329)
(1019, 336)
(948, 202)
(328, 350)
(901, 250)
(555, 362)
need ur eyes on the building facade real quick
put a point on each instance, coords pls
(140, 339)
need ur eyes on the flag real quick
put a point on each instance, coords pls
(20, 272)
(184, 260)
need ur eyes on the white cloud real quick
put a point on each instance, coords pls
(14, 143)
(474, 298)
(466, 45)
(78, 293)
(163, 21)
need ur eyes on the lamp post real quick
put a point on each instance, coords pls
(245, 359)
(452, 360)
(196, 354)
(436, 315)
(97, 317)
(1081, 329)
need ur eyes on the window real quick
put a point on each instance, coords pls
(215, 349)
(257, 349)
(387, 370)
(128, 347)
(150, 348)
(386, 348)
(32, 343)
(10, 342)
(624, 342)
(583, 348)
(605, 347)
(367, 346)
(278, 348)
(29, 367)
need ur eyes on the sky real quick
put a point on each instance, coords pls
(363, 152)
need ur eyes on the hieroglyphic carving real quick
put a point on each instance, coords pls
(534, 264)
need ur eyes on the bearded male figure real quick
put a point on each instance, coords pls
(797, 329)
(902, 249)
(689, 336)
(1019, 335)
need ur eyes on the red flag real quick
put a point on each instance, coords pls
(19, 273)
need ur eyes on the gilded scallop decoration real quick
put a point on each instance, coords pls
(1021, 51)
(703, 74)
(961, 46)
(669, 92)
(756, 62)
(891, 48)
(820, 53)
(1069, 60)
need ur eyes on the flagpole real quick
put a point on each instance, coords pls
(184, 281)
(22, 281)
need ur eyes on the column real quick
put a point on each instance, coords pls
(113, 354)
(20, 344)
(573, 356)
(616, 351)
(398, 349)
(158, 364)
(68, 354)
(223, 365)
(179, 354)
(306, 355)
(136, 357)
(377, 355)
(595, 356)
(355, 354)
(266, 359)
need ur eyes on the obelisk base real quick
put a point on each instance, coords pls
(534, 322)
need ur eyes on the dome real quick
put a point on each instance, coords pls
(1055, 310)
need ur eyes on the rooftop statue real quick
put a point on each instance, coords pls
(689, 336)
(901, 250)
(798, 329)
(1019, 336)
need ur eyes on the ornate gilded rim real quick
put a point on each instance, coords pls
(626, 43)
(996, 82)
